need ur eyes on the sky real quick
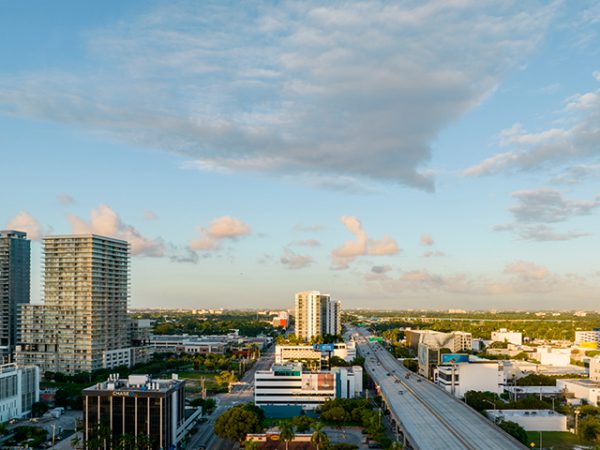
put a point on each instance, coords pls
(439, 154)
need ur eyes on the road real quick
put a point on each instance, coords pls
(431, 418)
(205, 437)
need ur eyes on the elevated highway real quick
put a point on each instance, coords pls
(425, 415)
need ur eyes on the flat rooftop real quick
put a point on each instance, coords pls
(523, 413)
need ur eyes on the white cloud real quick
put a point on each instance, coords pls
(150, 215)
(66, 199)
(220, 229)
(335, 91)
(552, 147)
(24, 221)
(426, 239)
(596, 75)
(548, 205)
(106, 222)
(433, 254)
(292, 260)
(527, 270)
(307, 243)
(361, 246)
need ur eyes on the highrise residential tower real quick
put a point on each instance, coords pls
(84, 315)
(15, 251)
(317, 314)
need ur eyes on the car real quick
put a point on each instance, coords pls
(389, 374)
(418, 380)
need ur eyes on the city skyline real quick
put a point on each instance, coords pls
(423, 155)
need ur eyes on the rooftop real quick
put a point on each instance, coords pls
(135, 383)
(523, 413)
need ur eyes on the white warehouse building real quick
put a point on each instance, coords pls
(531, 419)
(473, 375)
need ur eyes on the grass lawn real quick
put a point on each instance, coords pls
(557, 440)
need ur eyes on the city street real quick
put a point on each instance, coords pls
(205, 436)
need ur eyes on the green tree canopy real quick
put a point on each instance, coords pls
(237, 422)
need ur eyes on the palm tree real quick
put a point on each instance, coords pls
(319, 437)
(250, 445)
(396, 446)
(286, 433)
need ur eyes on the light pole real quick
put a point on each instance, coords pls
(576, 419)
(541, 440)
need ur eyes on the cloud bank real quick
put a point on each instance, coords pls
(343, 91)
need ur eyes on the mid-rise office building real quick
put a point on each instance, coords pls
(288, 385)
(458, 376)
(15, 254)
(19, 390)
(317, 314)
(86, 291)
(138, 406)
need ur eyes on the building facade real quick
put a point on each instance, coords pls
(317, 314)
(86, 292)
(479, 375)
(19, 390)
(512, 337)
(311, 355)
(138, 406)
(15, 254)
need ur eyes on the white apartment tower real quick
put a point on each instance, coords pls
(317, 314)
(86, 291)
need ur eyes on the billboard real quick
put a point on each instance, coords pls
(324, 347)
(454, 358)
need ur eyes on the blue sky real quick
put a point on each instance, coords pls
(423, 155)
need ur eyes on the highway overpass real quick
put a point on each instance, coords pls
(426, 416)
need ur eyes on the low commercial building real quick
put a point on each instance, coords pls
(595, 369)
(139, 405)
(459, 377)
(503, 335)
(129, 356)
(531, 419)
(192, 344)
(19, 390)
(289, 385)
(556, 357)
(518, 392)
(580, 389)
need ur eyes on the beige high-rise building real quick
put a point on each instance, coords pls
(86, 291)
(317, 314)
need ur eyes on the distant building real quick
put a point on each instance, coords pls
(14, 286)
(581, 389)
(316, 315)
(595, 369)
(86, 291)
(281, 319)
(557, 357)
(503, 335)
(455, 341)
(19, 390)
(531, 419)
(139, 405)
(588, 339)
(312, 354)
(289, 385)
(470, 375)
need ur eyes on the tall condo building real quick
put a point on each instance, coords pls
(317, 314)
(84, 315)
(15, 251)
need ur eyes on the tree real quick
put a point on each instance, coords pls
(319, 438)
(335, 414)
(38, 409)
(515, 430)
(237, 422)
(302, 423)
(589, 429)
(225, 378)
(286, 433)
(250, 445)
